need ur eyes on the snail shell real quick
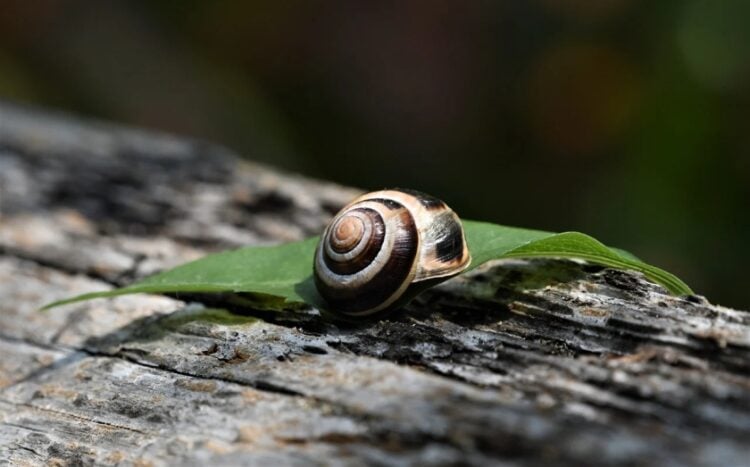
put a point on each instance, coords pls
(384, 247)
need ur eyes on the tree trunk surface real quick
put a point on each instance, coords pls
(520, 362)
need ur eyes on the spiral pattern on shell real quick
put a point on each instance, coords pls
(381, 245)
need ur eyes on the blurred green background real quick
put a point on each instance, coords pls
(626, 119)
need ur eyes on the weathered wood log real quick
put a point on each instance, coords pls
(521, 362)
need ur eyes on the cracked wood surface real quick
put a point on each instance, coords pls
(520, 362)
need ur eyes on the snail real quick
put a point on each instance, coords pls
(384, 247)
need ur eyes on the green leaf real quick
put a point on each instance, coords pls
(282, 271)
(490, 241)
(285, 271)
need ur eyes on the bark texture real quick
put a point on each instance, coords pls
(520, 362)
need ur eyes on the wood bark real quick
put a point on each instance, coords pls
(520, 362)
